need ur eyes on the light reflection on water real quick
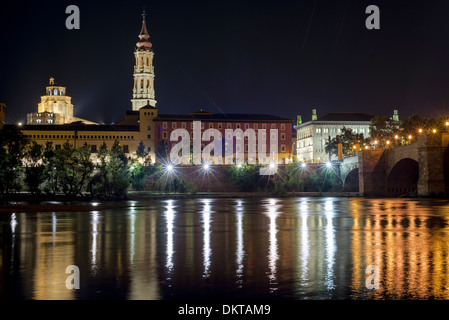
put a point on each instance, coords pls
(290, 248)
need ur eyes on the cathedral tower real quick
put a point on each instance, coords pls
(143, 89)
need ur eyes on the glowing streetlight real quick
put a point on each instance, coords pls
(303, 165)
(366, 147)
(272, 165)
(169, 168)
(420, 130)
(19, 124)
(410, 137)
(328, 164)
(434, 130)
(206, 166)
(447, 126)
(239, 165)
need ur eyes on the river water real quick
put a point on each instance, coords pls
(274, 248)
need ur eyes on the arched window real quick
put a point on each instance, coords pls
(56, 92)
(49, 92)
(148, 62)
(61, 92)
(141, 83)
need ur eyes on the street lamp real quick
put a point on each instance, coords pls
(447, 126)
(409, 139)
(396, 137)
(420, 130)
(434, 130)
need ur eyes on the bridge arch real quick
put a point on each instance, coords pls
(403, 178)
(351, 182)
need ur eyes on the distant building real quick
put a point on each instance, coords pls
(313, 136)
(55, 107)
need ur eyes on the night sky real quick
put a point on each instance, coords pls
(277, 57)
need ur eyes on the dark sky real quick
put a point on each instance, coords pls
(255, 56)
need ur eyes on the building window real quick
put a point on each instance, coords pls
(149, 149)
(211, 125)
(220, 126)
(164, 135)
(246, 148)
(149, 128)
(125, 149)
(229, 126)
(238, 126)
(246, 126)
(191, 125)
(164, 125)
(318, 130)
(282, 136)
(93, 148)
(283, 148)
(149, 136)
(283, 126)
(273, 126)
(255, 126)
(202, 125)
(173, 125)
(183, 125)
(173, 135)
(264, 126)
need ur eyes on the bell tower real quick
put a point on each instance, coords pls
(143, 89)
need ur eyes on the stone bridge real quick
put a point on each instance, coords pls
(421, 168)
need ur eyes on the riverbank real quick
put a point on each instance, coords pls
(25, 202)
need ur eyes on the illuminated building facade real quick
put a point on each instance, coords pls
(313, 136)
(55, 107)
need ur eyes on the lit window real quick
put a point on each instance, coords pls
(173, 125)
(282, 126)
(220, 125)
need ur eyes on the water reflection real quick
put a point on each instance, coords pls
(240, 252)
(330, 243)
(169, 217)
(273, 256)
(207, 251)
(304, 248)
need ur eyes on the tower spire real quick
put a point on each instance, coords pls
(144, 36)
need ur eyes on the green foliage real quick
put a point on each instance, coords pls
(322, 181)
(382, 129)
(12, 150)
(348, 139)
(162, 151)
(34, 167)
(247, 177)
(111, 178)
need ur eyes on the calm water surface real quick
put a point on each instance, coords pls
(286, 248)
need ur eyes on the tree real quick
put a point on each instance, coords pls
(348, 139)
(73, 168)
(111, 177)
(141, 152)
(162, 151)
(382, 129)
(12, 149)
(34, 167)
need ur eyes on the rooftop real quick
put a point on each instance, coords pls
(77, 127)
(221, 117)
(346, 116)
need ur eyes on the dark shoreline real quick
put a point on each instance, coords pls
(32, 203)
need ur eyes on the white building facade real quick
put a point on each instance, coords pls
(312, 137)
